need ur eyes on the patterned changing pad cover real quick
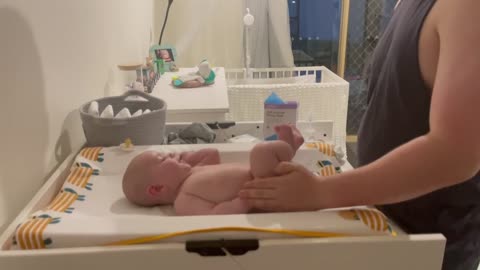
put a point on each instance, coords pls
(90, 209)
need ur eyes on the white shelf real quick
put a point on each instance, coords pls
(208, 103)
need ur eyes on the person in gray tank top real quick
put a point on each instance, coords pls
(399, 111)
(419, 144)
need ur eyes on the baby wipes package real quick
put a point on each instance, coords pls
(277, 112)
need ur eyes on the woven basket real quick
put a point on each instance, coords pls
(146, 129)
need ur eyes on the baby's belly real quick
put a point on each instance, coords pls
(219, 183)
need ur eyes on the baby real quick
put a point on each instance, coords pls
(196, 183)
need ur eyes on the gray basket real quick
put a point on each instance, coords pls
(147, 129)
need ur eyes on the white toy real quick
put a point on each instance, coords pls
(204, 76)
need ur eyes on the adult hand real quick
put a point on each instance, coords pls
(295, 189)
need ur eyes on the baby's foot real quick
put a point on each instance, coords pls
(291, 135)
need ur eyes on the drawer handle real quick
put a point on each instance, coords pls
(217, 248)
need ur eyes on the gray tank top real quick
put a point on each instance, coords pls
(398, 111)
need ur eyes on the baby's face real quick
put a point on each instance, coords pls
(168, 173)
(154, 178)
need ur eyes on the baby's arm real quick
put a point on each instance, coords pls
(188, 204)
(265, 157)
(208, 156)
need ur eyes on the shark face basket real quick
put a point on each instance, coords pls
(146, 129)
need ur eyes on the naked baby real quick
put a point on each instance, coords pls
(197, 183)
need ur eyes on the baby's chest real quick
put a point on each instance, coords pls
(217, 182)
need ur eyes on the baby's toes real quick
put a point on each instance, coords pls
(285, 133)
(298, 141)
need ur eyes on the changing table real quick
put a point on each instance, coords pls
(423, 252)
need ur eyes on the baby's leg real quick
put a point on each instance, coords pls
(264, 157)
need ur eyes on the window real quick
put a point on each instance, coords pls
(315, 31)
(314, 28)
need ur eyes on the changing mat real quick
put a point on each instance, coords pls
(91, 210)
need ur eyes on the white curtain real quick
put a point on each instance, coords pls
(270, 41)
(213, 30)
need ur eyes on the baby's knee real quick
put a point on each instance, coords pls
(276, 150)
(262, 151)
(284, 151)
(264, 157)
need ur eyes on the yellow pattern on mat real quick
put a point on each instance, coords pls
(30, 233)
(63, 201)
(328, 171)
(150, 239)
(91, 153)
(79, 176)
(325, 148)
(372, 218)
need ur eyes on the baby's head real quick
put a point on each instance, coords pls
(154, 178)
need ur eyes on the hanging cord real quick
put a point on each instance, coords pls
(165, 21)
(239, 265)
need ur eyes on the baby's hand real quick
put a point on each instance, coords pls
(207, 156)
(175, 156)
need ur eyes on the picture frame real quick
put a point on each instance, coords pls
(149, 77)
(164, 57)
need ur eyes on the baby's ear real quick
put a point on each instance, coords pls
(154, 190)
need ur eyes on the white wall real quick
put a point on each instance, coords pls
(206, 29)
(214, 30)
(54, 56)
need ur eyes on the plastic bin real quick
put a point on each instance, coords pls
(146, 129)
